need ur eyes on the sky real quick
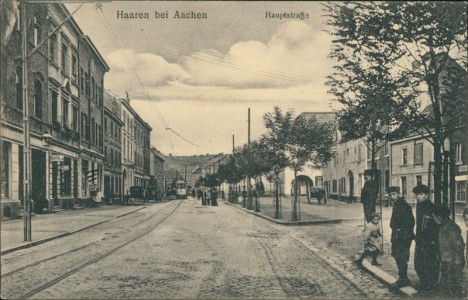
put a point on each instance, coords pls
(199, 77)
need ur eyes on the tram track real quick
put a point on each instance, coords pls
(113, 243)
(37, 262)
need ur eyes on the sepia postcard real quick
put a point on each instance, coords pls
(233, 149)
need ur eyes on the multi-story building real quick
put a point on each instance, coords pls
(112, 149)
(65, 81)
(92, 68)
(141, 139)
(410, 160)
(135, 148)
(12, 106)
(156, 169)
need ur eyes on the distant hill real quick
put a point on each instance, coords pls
(179, 163)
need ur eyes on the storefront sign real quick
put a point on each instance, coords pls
(54, 157)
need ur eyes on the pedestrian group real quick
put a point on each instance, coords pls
(439, 248)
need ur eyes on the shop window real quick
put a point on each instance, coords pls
(5, 169)
(65, 177)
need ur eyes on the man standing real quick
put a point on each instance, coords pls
(451, 250)
(426, 260)
(402, 224)
(369, 195)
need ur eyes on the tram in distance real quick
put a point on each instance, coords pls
(177, 188)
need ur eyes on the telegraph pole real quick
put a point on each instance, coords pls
(248, 147)
(233, 145)
(26, 136)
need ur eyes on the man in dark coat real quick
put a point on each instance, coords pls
(426, 259)
(369, 195)
(214, 196)
(402, 224)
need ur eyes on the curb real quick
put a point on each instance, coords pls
(387, 279)
(47, 239)
(287, 223)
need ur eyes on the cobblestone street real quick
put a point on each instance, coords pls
(181, 249)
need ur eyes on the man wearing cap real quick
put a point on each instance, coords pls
(369, 195)
(402, 224)
(426, 260)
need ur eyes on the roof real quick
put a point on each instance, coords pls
(321, 117)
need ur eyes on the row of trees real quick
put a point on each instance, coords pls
(289, 142)
(401, 69)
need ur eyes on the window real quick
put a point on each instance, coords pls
(93, 89)
(105, 125)
(418, 179)
(112, 128)
(92, 131)
(404, 156)
(65, 119)
(53, 47)
(74, 66)
(386, 148)
(418, 153)
(75, 119)
(37, 36)
(65, 58)
(319, 180)
(87, 89)
(5, 169)
(82, 81)
(65, 177)
(19, 87)
(461, 191)
(54, 106)
(403, 186)
(458, 153)
(37, 99)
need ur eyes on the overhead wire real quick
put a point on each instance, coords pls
(160, 116)
(206, 57)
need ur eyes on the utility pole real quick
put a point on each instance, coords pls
(26, 136)
(233, 145)
(248, 176)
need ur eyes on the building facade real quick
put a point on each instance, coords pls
(64, 89)
(112, 149)
(156, 169)
(12, 108)
(135, 148)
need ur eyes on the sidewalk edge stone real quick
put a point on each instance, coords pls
(288, 223)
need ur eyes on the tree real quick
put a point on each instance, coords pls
(278, 127)
(309, 141)
(410, 45)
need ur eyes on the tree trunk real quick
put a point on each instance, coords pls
(437, 173)
(308, 193)
(277, 200)
(295, 216)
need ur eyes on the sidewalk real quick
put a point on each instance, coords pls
(46, 227)
(346, 237)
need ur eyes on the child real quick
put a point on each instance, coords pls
(451, 248)
(402, 224)
(372, 234)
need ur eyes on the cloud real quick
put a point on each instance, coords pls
(295, 55)
(153, 70)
